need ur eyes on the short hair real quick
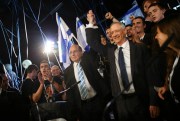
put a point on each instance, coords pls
(44, 61)
(128, 25)
(150, 1)
(120, 23)
(55, 66)
(140, 17)
(160, 5)
(31, 68)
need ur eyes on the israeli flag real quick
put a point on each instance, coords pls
(134, 11)
(65, 37)
(81, 35)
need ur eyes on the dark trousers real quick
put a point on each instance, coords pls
(169, 109)
(130, 108)
(92, 109)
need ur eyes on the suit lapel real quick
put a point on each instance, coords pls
(132, 57)
(72, 77)
(115, 84)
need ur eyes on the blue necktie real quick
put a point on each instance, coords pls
(124, 75)
(83, 89)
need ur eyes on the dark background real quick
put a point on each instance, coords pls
(11, 13)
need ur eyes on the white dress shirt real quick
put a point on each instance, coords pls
(91, 91)
(126, 52)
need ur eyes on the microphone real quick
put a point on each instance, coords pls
(68, 88)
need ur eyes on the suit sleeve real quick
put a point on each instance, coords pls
(152, 93)
(93, 39)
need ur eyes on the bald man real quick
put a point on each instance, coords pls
(91, 106)
(55, 70)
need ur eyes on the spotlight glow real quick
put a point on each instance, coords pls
(49, 47)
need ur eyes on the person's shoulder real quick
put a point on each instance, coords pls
(27, 81)
(148, 34)
(88, 57)
(139, 45)
(13, 90)
(57, 79)
(69, 68)
(171, 12)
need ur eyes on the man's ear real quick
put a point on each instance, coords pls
(164, 10)
(144, 26)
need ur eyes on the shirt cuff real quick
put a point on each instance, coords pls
(90, 25)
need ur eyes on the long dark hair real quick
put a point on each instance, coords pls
(171, 27)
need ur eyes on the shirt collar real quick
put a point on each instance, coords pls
(124, 45)
(141, 38)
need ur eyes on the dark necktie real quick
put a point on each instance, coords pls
(124, 75)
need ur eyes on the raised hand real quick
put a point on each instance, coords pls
(41, 80)
(109, 16)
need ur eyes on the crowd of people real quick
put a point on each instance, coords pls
(140, 81)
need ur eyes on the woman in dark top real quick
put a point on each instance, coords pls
(168, 37)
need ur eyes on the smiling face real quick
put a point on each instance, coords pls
(161, 37)
(156, 13)
(138, 25)
(118, 33)
(55, 70)
(129, 31)
(75, 53)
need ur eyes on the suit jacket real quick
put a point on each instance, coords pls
(93, 76)
(147, 40)
(139, 57)
(175, 83)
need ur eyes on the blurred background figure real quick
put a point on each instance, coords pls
(5, 84)
(129, 32)
(55, 70)
(12, 77)
(58, 77)
(12, 107)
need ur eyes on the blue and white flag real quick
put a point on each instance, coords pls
(81, 35)
(65, 37)
(134, 11)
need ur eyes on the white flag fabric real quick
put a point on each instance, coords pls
(81, 35)
(134, 11)
(65, 37)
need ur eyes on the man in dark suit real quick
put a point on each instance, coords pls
(91, 106)
(137, 99)
(139, 24)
